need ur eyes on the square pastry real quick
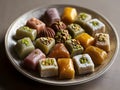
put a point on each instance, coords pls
(102, 41)
(98, 55)
(48, 67)
(23, 47)
(66, 68)
(85, 39)
(74, 47)
(94, 26)
(36, 24)
(82, 18)
(75, 29)
(31, 61)
(83, 63)
(25, 31)
(45, 44)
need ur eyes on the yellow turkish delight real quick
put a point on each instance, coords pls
(85, 39)
(69, 14)
(66, 68)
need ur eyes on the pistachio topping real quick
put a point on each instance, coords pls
(84, 60)
(25, 41)
(48, 62)
(75, 44)
(101, 38)
(82, 16)
(26, 28)
(75, 27)
(46, 40)
(95, 23)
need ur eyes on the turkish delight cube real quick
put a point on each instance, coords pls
(31, 61)
(48, 67)
(36, 24)
(83, 63)
(66, 68)
(85, 39)
(102, 41)
(98, 55)
(23, 47)
(75, 29)
(69, 14)
(45, 44)
(82, 18)
(51, 15)
(74, 47)
(94, 26)
(25, 31)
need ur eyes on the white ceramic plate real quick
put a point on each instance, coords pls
(10, 42)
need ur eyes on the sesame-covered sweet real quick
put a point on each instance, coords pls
(62, 35)
(85, 39)
(58, 25)
(82, 18)
(36, 24)
(69, 14)
(31, 61)
(98, 55)
(94, 26)
(102, 41)
(25, 31)
(66, 68)
(59, 51)
(48, 67)
(45, 44)
(23, 47)
(51, 15)
(47, 32)
(75, 29)
(74, 47)
(83, 64)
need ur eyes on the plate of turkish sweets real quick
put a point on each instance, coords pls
(61, 44)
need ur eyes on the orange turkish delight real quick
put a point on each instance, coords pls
(98, 55)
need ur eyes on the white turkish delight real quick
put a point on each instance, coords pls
(48, 67)
(94, 26)
(83, 64)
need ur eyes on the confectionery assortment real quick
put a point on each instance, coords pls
(64, 46)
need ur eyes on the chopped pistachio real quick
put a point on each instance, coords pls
(26, 28)
(84, 60)
(45, 40)
(25, 41)
(95, 23)
(83, 16)
(75, 27)
(101, 38)
(48, 62)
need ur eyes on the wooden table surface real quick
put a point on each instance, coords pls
(11, 79)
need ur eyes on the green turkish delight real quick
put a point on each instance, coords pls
(25, 31)
(74, 47)
(45, 44)
(23, 47)
(75, 29)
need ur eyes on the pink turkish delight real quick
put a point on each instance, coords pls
(31, 61)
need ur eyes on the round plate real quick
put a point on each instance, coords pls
(38, 12)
